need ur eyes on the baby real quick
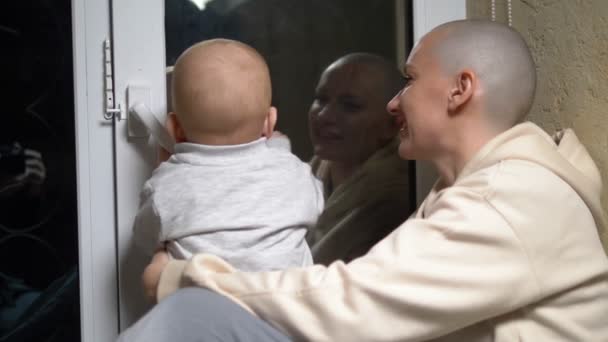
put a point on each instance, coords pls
(228, 189)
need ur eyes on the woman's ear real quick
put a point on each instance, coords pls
(270, 122)
(463, 90)
(175, 128)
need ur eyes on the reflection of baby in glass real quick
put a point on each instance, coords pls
(227, 189)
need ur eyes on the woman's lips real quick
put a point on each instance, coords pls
(402, 124)
(328, 135)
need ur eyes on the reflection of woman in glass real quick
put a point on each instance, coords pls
(20, 169)
(365, 182)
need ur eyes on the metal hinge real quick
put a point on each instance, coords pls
(110, 110)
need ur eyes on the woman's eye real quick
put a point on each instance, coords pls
(407, 79)
(351, 106)
(320, 99)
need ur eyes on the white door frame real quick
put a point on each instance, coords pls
(139, 61)
(95, 175)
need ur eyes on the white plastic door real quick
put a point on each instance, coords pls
(139, 63)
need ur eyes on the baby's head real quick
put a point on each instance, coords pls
(221, 95)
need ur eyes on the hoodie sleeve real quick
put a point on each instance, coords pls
(428, 278)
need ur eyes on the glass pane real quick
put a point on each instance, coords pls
(298, 38)
(39, 295)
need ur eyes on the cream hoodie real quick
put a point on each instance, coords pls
(510, 252)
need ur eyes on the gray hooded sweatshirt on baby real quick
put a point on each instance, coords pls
(250, 204)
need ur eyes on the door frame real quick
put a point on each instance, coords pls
(138, 40)
(94, 175)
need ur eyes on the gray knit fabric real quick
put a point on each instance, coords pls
(250, 204)
(195, 315)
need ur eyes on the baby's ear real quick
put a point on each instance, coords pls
(270, 122)
(175, 128)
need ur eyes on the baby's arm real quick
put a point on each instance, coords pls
(147, 226)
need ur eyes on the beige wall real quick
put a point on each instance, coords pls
(569, 40)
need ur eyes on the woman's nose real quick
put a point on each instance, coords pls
(325, 113)
(393, 105)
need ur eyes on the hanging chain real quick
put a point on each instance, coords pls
(509, 11)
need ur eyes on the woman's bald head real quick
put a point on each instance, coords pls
(384, 73)
(501, 60)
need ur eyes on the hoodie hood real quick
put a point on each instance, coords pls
(562, 153)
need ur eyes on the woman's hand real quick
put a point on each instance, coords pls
(151, 276)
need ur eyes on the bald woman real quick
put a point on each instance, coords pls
(504, 248)
(225, 191)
